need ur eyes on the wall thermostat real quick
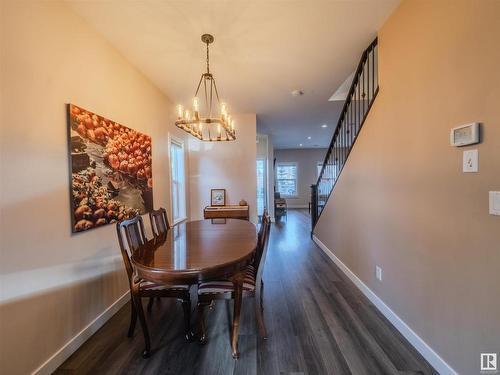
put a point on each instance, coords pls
(465, 135)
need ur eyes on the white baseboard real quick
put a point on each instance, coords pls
(420, 345)
(72, 345)
(297, 206)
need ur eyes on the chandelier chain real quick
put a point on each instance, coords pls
(208, 61)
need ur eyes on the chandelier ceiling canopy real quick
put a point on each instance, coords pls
(208, 123)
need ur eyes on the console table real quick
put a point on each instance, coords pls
(226, 212)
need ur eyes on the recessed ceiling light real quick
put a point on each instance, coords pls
(300, 145)
(308, 137)
(324, 125)
(297, 92)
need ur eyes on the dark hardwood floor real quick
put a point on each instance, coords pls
(317, 323)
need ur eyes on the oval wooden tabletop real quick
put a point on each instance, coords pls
(196, 251)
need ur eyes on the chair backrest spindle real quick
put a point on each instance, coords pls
(159, 222)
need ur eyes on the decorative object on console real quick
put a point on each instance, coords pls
(243, 202)
(111, 172)
(208, 127)
(218, 197)
(226, 212)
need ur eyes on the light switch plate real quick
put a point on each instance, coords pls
(470, 163)
(494, 202)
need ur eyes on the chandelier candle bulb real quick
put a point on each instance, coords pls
(223, 111)
(196, 108)
(180, 111)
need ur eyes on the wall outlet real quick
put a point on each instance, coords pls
(378, 273)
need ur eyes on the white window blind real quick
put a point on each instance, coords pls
(286, 179)
(178, 181)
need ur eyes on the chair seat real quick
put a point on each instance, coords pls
(226, 286)
(149, 285)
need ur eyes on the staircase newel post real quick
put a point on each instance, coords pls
(314, 206)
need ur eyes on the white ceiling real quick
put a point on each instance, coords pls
(263, 50)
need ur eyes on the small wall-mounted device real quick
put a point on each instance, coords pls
(465, 135)
(494, 202)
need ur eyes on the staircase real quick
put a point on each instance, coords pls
(363, 91)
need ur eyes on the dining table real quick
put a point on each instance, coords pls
(199, 251)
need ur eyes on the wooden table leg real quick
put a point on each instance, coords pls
(238, 297)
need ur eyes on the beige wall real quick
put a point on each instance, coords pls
(55, 283)
(225, 165)
(307, 161)
(403, 203)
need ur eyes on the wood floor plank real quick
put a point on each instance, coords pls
(247, 363)
(216, 355)
(318, 323)
(286, 345)
(324, 343)
(404, 357)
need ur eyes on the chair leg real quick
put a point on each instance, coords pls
(201, 323)
(238, 297)
(144, 326)
(150, 303)
(258, 315)
(261, 295)
(133, 318)
(186, 307)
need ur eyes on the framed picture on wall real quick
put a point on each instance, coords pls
(218, 197)
(110, 168)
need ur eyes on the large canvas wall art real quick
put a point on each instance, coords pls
(111, 172)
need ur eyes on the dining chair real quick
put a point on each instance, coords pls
(159, 226)
(132, 233)
(159, 221)
(253, 285)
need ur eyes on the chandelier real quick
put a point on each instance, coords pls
(208, 126)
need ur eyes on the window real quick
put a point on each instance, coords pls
(286, 179)
(261, 186)
(330, 172)
(177, 177)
